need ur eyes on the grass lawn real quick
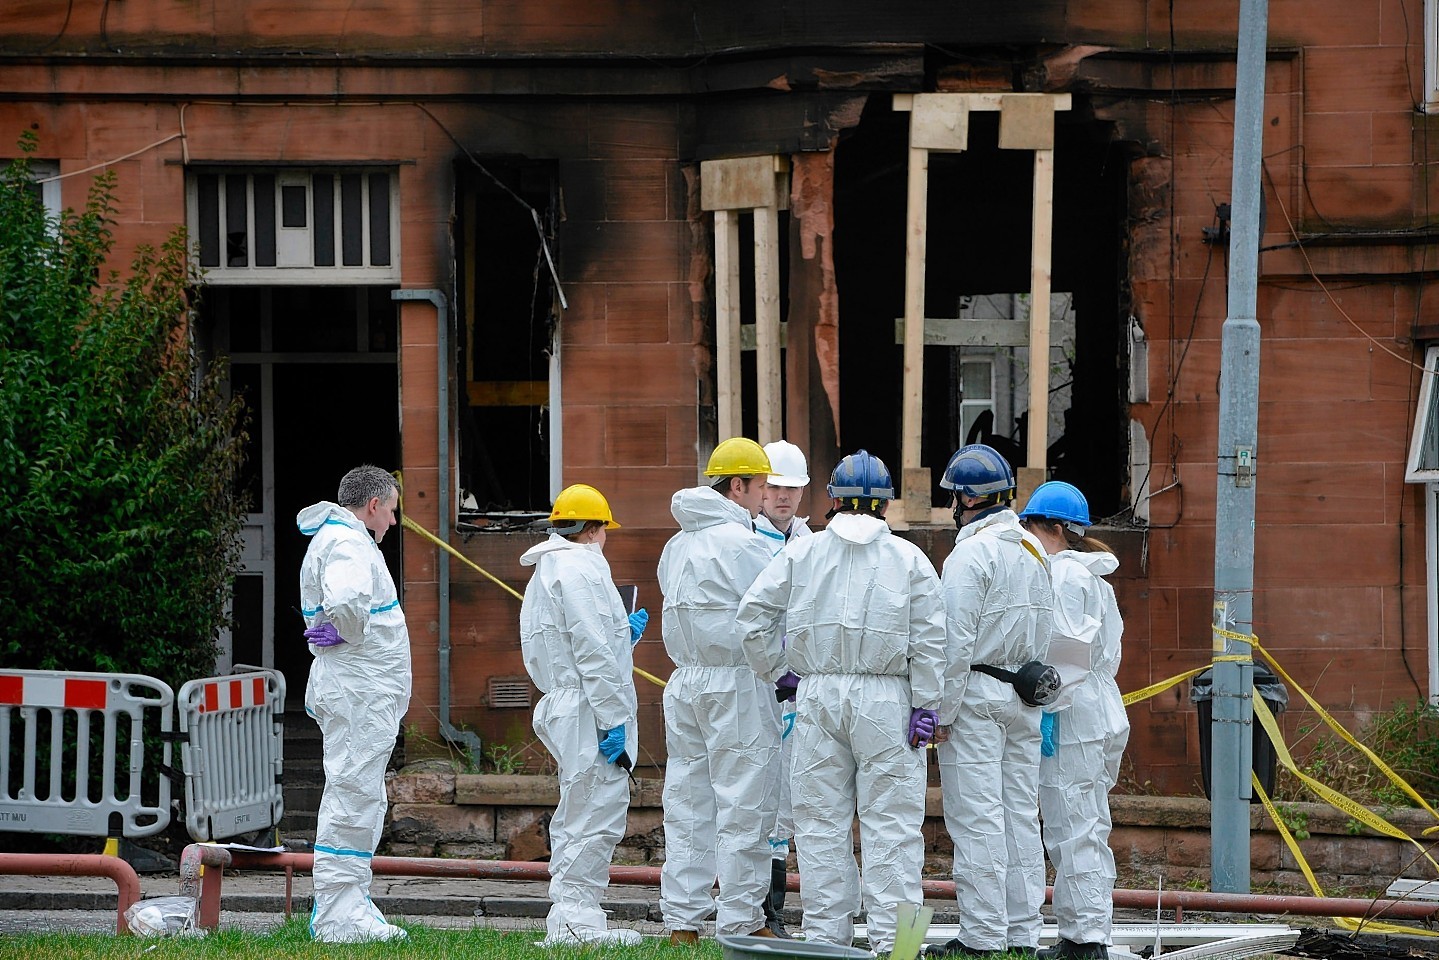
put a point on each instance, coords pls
(293, 940)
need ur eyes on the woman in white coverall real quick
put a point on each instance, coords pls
(359, 689)
(576, 639)
(998, 600)
(1085, 729)
(865, 623)
(722, 774)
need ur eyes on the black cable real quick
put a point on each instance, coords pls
(1409, 432)
(104, 31)
(1174, 377)
(69, 8)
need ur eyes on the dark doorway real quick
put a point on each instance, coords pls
(978, 244)
(330, 418)
(317, 368)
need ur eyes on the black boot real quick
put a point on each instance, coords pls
(774, 903)
(1069, 950)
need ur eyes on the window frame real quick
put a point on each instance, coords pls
(1431, 56)
(1424, 421)
(979, 404)
(306, 272)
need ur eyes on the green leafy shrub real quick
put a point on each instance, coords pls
(1406, 737)
(119, 513)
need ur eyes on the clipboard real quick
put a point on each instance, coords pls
(629, 596)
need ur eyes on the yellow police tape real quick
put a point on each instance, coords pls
(1334, 798)
(414, 527)
(1347, 923)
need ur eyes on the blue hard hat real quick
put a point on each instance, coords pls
(1057, 500)
(861, 474)
(978, 471)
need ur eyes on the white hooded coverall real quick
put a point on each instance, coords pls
(865, 620)
(785, 710)
(358, 691)
(998, 602)
(1091, 730)
(721, 778)
(576, 641)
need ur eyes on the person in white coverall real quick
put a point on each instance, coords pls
(720, 728)
(779, 524)
(359, 689)
(1085, 730)
(576, 637)
(865, 622)
(998, 601)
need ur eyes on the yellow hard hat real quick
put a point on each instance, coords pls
(738, 457)
(580, 502)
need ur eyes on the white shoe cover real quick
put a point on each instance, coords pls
(367, 933)
(613, 937)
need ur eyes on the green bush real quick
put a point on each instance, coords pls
(119, 509)
(1406, 737)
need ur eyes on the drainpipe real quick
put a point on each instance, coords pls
(466, 740)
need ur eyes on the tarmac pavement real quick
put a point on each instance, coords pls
(255, 900)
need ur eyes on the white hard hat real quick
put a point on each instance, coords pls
(787, 466)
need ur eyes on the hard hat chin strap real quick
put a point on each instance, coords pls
(982, 509)
(570, 529)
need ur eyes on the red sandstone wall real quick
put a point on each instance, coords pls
(1345, 150)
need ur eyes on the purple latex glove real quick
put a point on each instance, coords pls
(324, 635)
(786, 687)
(922, 724)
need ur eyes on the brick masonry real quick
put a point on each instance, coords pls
(1155, 840)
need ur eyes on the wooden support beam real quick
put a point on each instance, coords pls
(915, 492)
(727, 315)
(768, 401)
(1039, 282)
(744, 183)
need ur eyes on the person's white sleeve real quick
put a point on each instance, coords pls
(759, 618)
(750, 560)
(965, 583)
(926, 638)
(348, 585)
(588, 611)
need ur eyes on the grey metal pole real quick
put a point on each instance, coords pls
(1233, 709)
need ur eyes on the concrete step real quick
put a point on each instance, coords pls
(304, 797)
(298, 824)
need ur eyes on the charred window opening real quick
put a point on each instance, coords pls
(506, 331)
(978, 263)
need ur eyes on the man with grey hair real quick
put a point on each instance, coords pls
(359, 689)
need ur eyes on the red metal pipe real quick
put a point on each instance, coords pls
(933, 889)
(127, 883)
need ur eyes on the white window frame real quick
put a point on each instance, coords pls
(1426, 418)
(304, 272)
(1424, 421)
(978, 405)
(47, 174)
(1431, 56)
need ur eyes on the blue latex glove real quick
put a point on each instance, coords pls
(638, 621)
(324, 635)
(612, 743)
(922, 725)
(786, 687)
(1046, 734)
